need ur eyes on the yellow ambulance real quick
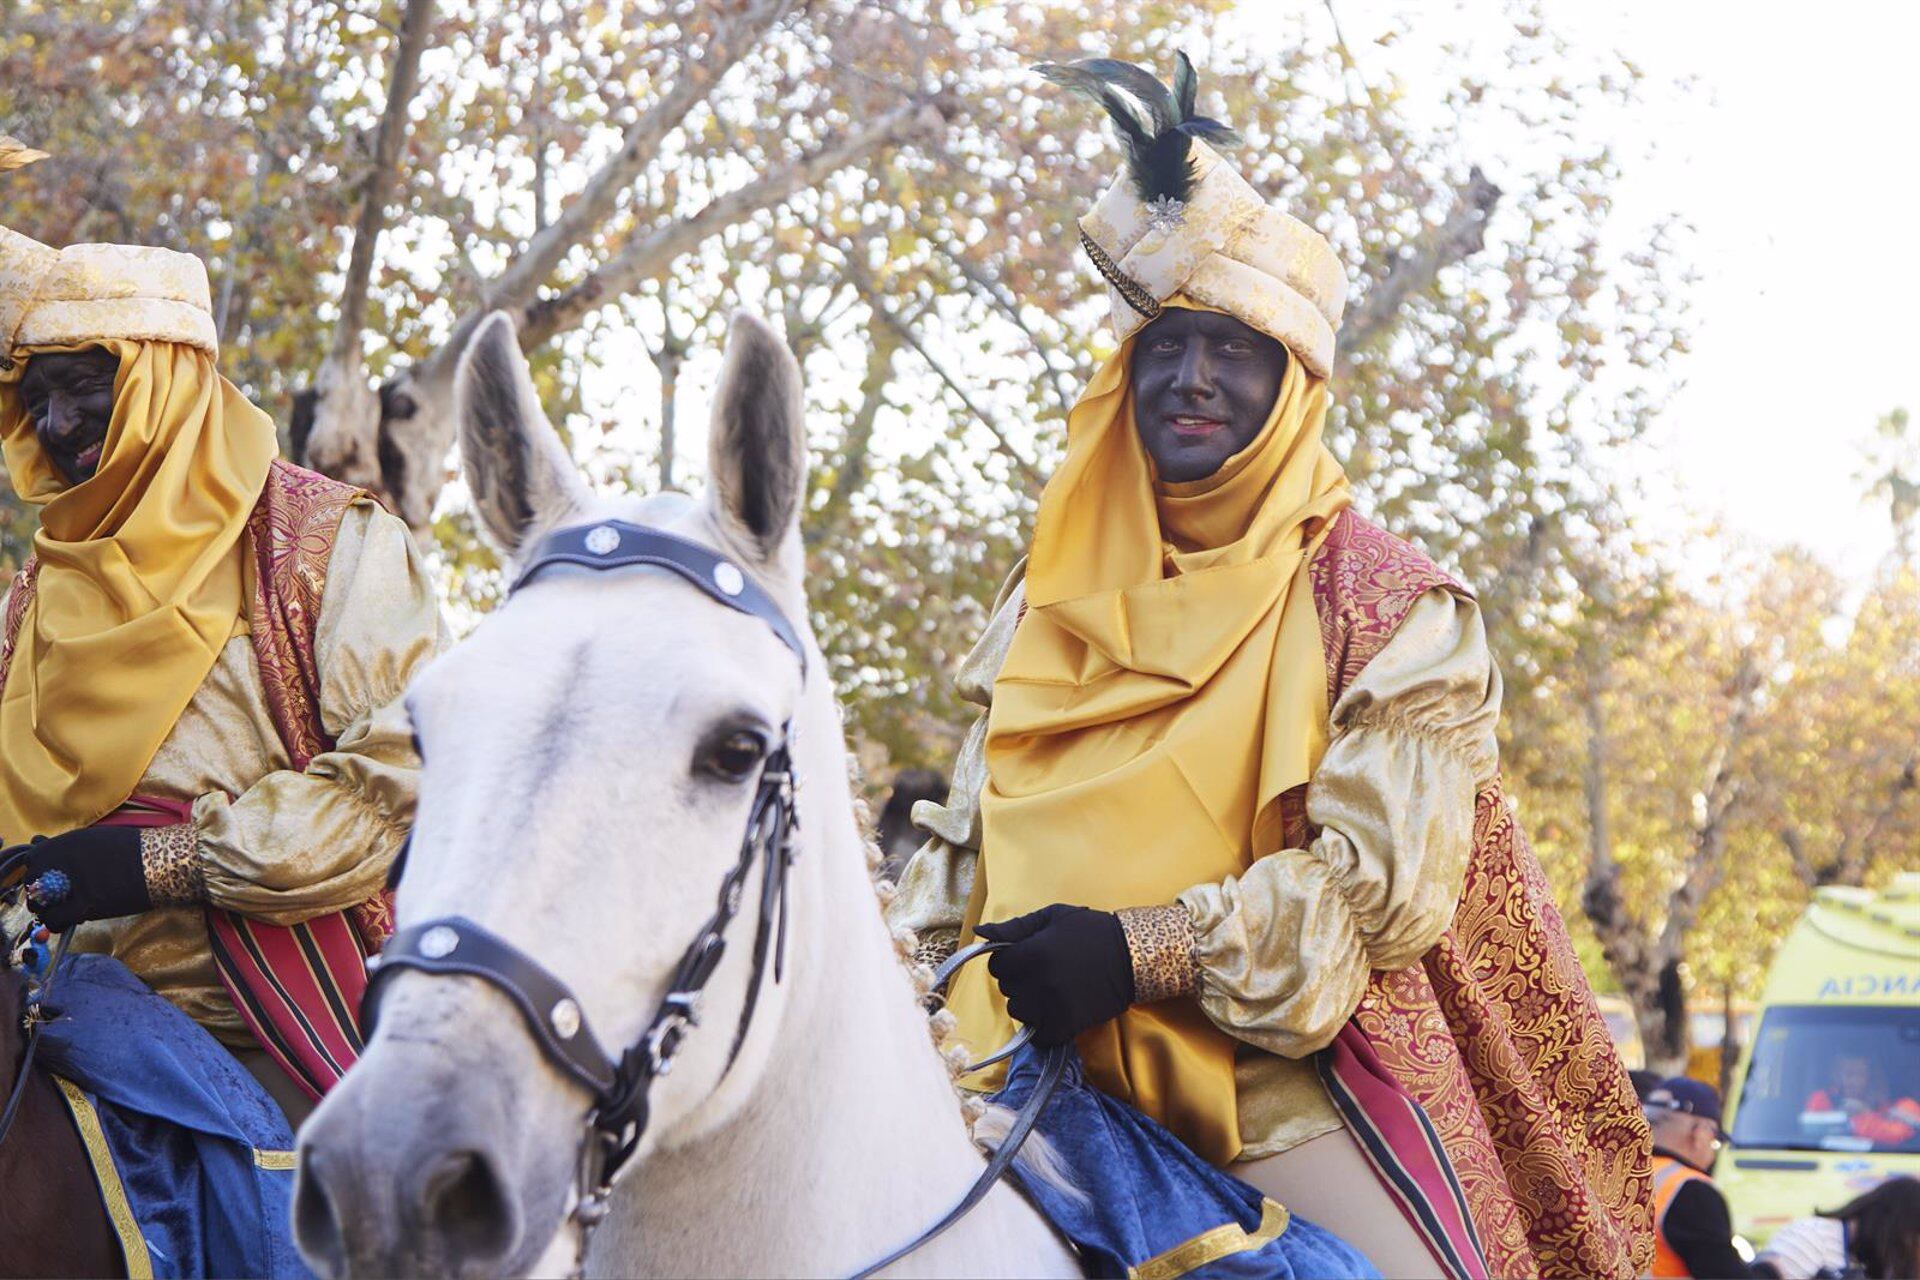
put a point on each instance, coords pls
(1826, 1098)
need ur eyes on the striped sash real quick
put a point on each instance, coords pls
(1398, 1139)
(298, 987)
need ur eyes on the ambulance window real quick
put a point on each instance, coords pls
(1834, 1079)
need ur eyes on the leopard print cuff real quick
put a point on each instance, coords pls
(1160, 945)
(170, 858)
(935, 945)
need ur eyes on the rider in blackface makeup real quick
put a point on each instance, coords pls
(1235, 800)
(200, 668)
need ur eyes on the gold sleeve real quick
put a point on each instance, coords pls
(1285, 950)
(931, 898)
(300, 844)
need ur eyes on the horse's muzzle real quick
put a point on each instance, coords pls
(417, 1163)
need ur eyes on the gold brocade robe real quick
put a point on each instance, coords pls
(273, 843)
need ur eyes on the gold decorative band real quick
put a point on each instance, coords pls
(113, 1194)
(1211, 1246)
(1132, 290)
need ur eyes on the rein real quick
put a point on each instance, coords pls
(621, 1087)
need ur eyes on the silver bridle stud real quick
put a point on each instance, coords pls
(438, 941)
(729, 579)
(603, 540)
(566, 1019)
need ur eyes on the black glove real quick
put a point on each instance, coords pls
(103, 874)
(1067, 970)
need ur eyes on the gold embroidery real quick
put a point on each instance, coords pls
(1130, 290)
(170, 859)
(275, 1160)
(1211, 1246)
(1160, 945)
(1495, 1032)
(113, 1195)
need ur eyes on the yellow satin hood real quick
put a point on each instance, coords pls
(1166, 685)
(141, 582)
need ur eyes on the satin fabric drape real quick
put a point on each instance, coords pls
(141, 581)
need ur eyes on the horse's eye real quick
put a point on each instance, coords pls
(735, 756)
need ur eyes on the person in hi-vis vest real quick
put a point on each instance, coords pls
(1693, 1229)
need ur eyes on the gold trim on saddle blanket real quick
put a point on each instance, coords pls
(1211, 1246)
(113, 1194)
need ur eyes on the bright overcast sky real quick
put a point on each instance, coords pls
(1792, 157)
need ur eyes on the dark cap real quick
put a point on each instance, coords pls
(1687, 1095)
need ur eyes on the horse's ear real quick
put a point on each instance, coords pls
(521, 476)
(757, 448)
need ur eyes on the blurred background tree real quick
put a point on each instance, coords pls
(365, 178)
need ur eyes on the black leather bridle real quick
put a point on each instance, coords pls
(621, 1087)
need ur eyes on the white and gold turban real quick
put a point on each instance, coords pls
(86, 292)
(1180, 220)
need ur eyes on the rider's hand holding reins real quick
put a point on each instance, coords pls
(94, 873)
(1065, 969)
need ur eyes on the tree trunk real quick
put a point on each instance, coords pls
(337, 420)
(1732, 1042)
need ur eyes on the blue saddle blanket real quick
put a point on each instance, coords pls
(1147, 1205)
(194, 1159)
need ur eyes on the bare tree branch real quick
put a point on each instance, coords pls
(336, 420)
(851, 471)
(699, 73)
(1008, 306)
(654, 251)
(1419, 265)
(1722, 794)
(1850, 862)
(402, 83)
(1002, 442)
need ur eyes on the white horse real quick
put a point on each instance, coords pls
(584, 794)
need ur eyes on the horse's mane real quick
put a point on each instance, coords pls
(987, 1123)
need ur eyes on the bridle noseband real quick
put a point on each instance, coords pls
(621, 1088)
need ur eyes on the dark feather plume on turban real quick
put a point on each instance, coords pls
(1159, 143)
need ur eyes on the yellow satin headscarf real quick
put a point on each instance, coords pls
(141, 582)
(1166, 686)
